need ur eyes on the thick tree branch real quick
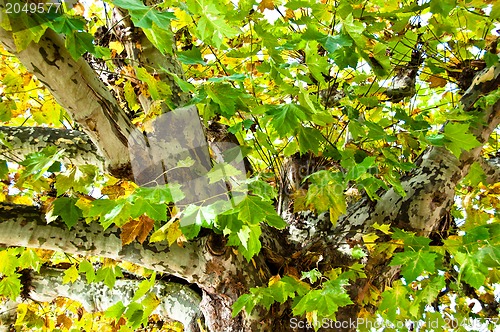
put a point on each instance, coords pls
(430, 188)
(177, 302)
(78, 89)
(222, 274)
(491, 168)
(20, 141)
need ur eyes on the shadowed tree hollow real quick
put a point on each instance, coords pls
(249, 166)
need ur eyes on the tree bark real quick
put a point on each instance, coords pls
(221, 274)
(177, 302)
(78, 89)
(21, 141)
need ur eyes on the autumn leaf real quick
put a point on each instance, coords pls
(265, 4)
(136, 229)
(436, 81)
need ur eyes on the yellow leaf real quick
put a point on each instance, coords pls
(116, 46)
(265, 4)
(369, 240)
(274, 279)
(173, 233)
(383, 228)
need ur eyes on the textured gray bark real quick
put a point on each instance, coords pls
(177, 302)
(79, 90)
(222, 275)
(79, 149)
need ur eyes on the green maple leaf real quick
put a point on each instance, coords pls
(156, 211)
(169, 193)
(309, 139)
(65, 208)
(111, 211)
(394, 298)
(414, 263)
(78, 43)
(38, 163)
(87, 268)
(254, 210)
(212, 26)
(29, 259)
(459, 139)
(11, 286)
(222, 171)
(287, 118)
(115, 311)
(282, 290)
(144, 16)
(70, 275)
(473, 272)
(108, 275)
(8, 262)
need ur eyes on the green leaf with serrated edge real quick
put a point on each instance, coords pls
(65, 208)
(78, 43)
(411, 240)
(10, 286)
(160, 37)
(312, 275)
(169, 193)
(86, 267)
(135, 314)
(414, 264)
(244, 301)
(473, 272)
(70, 275)
(286, 118)
(38, 163)
(108, 275)
(309, 140)
(214, 29)
(144, 287)
(459, 139)
(222, 171)
(115, 311)
(282, 291)
(395, 297)
(79, 179)
(475, 176)
(111, 211)
(262, 189)
(8, 262)
(153, 210)
(430, 290)
(144, 16)
(29, 259)
(254, 210)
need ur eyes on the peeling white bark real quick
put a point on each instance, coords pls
(177, 302)
(78, 148)
(223, 276)
(78, 89)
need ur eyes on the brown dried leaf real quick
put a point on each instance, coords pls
(64, 321)
(137, 229)
(436, 81)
